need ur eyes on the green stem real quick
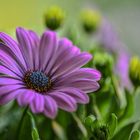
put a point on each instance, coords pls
(21, 123)
(117, 90)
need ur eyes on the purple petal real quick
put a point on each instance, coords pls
(72, 64)
(65, 50)
(122, 68)
(77, 94)
(37, 105)
(50, 107)
(83, 73)
(9, 81)
(35, 48)
(13, 46)
(63, 46)
(85, 85)
(26, 45)
(5, 71)
(9, 59)
(9, 88)
(25, 97)
(64, 101)
(9, 97)
(48, 46)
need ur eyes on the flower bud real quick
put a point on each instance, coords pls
(89, 120)
(91, 20)
(100, 133)
(103, 62)
(134, 71)
(54, 17)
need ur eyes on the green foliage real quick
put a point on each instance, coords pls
(112, 124)
(135, 135)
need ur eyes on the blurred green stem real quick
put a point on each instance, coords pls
(21, 123)
(117, 90)
(80, 125)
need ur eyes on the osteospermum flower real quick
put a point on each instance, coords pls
(44, 72)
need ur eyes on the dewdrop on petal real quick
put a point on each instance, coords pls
(54, 17)
(91, 20)
(134, 71)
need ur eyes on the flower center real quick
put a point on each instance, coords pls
(37, 80)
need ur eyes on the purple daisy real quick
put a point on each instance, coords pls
(44, 72)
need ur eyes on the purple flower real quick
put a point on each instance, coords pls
(111, 42)
(108, 37)
(122, 68)
(44, 72)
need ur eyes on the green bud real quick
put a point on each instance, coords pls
(134, 71)
(91, 20)
(100, 133)
(103, 62)
(89, 120)
(54, 17)
(135, 135)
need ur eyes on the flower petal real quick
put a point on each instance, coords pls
(9, 88)
(50, 107)
(65, 50)
(48, 46)
(26, 45)
(5, 71)
(75, 93)
(37, 105)
(9, 81)
(64, 101)
(25, 97)
(83, 73)
(9, 59)
(35, 48)
(9, 97)
(72, 64)
(63, 45)
(13, 46)
(85, 85)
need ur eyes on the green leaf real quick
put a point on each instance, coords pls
(129, 109)
(124, 133)
(35, 135)
(24, 128)
(112, 124)
(34, 131)
(135, 135)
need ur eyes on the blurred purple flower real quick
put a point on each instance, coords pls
(108, 37)
(44, 73)
(122, 68)
(111, 42)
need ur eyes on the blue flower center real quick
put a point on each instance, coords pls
(37, 80)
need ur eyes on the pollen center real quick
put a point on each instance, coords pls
(37, 80)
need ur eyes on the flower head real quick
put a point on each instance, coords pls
(44, 72)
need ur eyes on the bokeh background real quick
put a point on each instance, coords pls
(123, 14)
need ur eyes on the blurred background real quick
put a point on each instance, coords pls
(124, 15)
